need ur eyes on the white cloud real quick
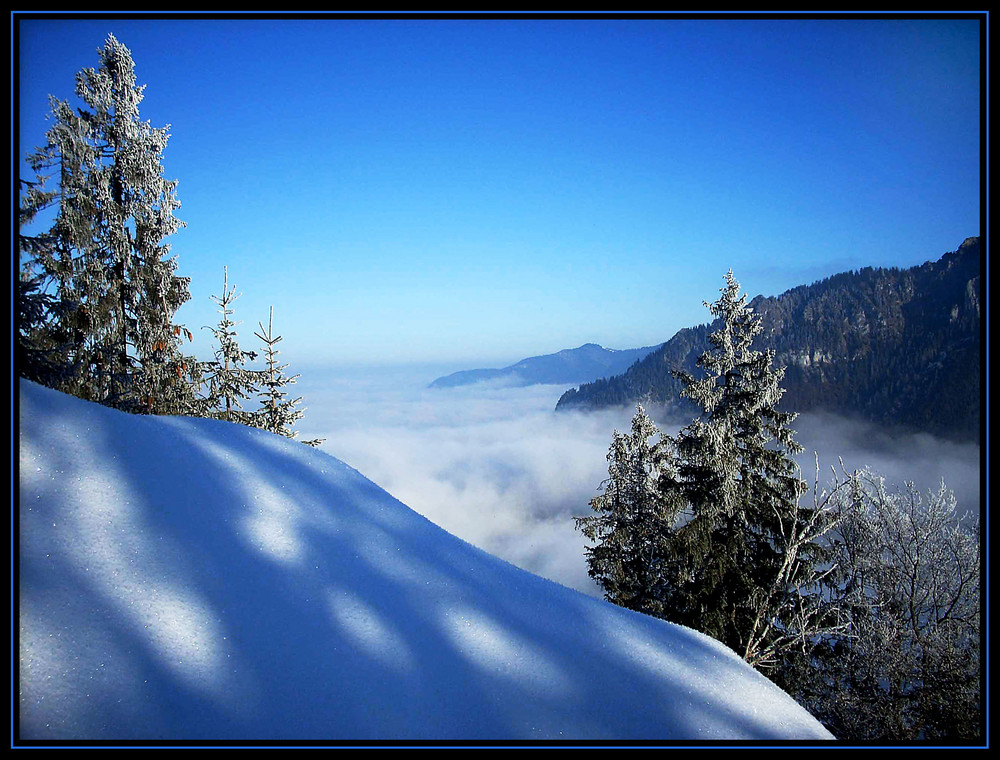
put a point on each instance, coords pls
(498, 468)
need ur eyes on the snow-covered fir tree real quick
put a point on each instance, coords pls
(630, 522)
(739, 558)
(278, 412)
(103, 260)
(230, 381)
(39, 354)
(54, 332)
(46, 349)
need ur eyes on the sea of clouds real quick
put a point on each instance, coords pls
(500, 469)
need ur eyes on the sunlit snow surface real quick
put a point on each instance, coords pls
(194, 579)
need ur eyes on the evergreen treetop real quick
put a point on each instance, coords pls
(734, 469)
(278, 412)
(631, 520)
(704, 528)
(103, 260)
(230, 381)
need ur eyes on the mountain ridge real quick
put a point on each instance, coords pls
(566, 367)
(894, 346)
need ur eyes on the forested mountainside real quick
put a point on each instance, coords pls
(895, 346)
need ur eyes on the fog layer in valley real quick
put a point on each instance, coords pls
(499, 468)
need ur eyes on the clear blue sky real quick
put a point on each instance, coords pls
(479, 190)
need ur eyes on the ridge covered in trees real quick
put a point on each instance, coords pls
(98, 291)
(897, 347)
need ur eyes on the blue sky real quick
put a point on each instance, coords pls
(476, 191)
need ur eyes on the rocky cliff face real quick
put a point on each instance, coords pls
(894, 346)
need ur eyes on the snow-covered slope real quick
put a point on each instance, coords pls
(192, 579)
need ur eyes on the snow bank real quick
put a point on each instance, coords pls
(189, 579)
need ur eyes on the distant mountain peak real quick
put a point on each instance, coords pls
(569, 366)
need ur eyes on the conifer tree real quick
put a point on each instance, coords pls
(45, 349)
(278, 412)
(230, 382)
(36, 355)
(104, 260)
(631, 521)
(739, 559)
